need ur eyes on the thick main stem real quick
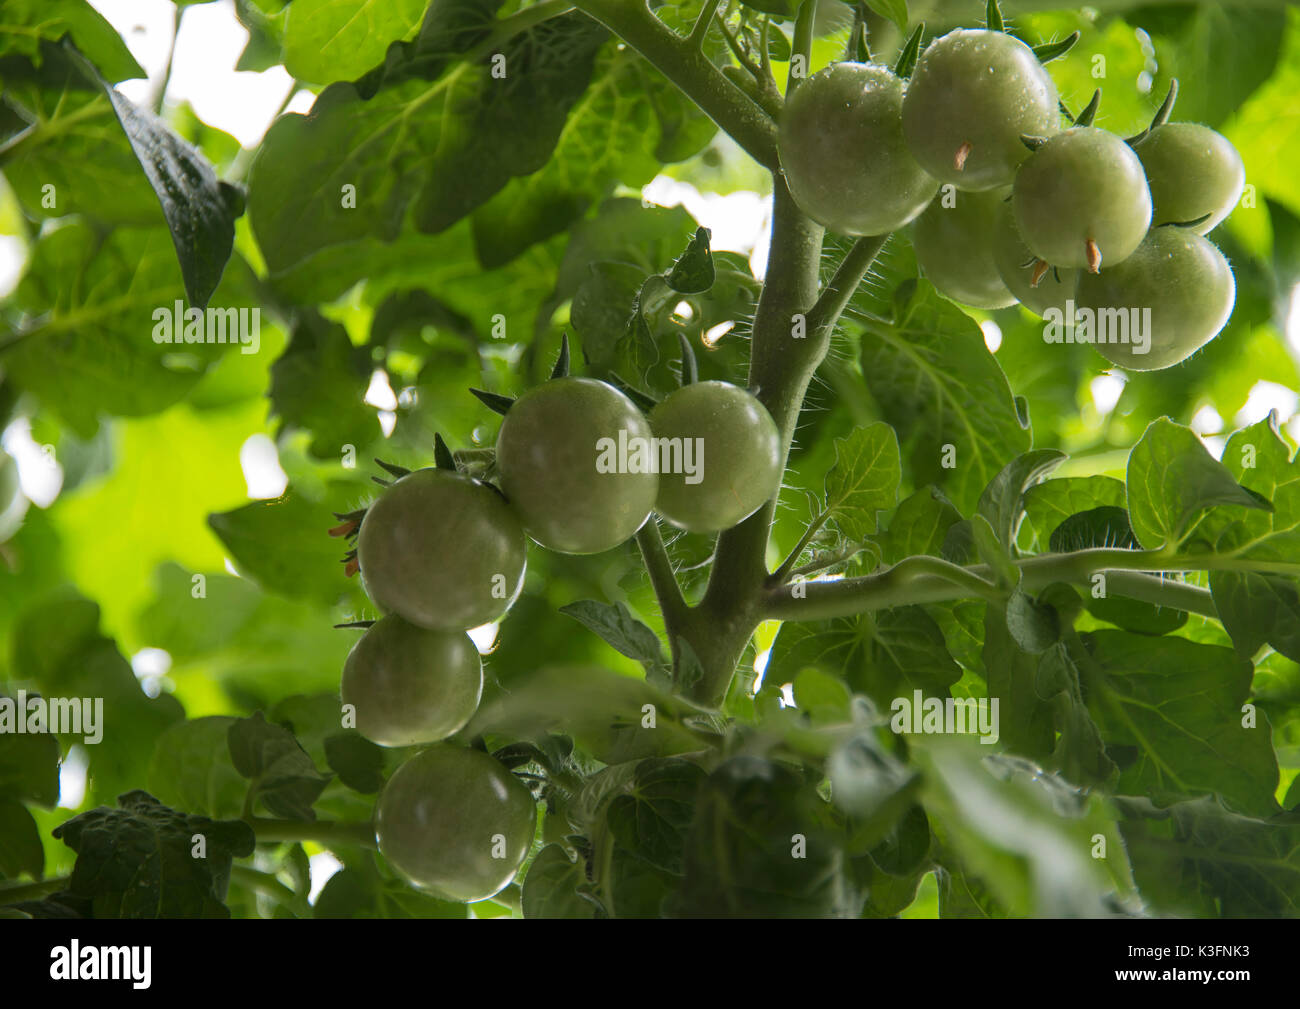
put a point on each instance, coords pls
(783, 357)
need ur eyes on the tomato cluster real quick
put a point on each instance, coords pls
(1007, 202)
(579, 469)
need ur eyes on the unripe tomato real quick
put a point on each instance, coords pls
(455, 822)
(411, 686)
(971, 97)
(1185, 282)
(1018, 268)
(555, 452)
(953, 240)
(842, 151)
(442, 551)
(1081, 200)
(734, 446)
(1192, 171)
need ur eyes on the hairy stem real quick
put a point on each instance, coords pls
(320, 831)
(802, 45)
(922, 580)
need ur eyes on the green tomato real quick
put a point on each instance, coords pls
(1081, 200)
(455, 822)
(411, 686)
(1192, 171)
(842, 151)
(971, 97)
(1019, 268)
(953, 240)
(734, 449)
(1184, 281)
(442, 551)
(564, 454)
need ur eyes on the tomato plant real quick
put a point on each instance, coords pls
(631, 459)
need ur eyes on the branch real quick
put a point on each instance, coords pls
(703, 23)
(781, 574)
(686, 66)
(931, 580)
(835, 297)
(321, 831)
(802, 45)
(662, 579)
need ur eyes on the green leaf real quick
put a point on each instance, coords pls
(919, 526)
(27, 22)
(1002, 502)
(319, 385)
(620, 630)
(57, 646)
(21, 850)
(1026, 720)
(1237, 49)
(357, 761)
(1173, 480)
(939, 386)
(1051, 502)
(1080, 753)
(624, 126)
(1106, 526)
(752, 817)
(883, 655)
(29, 768)
(692, 272)
(1178, 705)
(361, 891)
(200, 209)
(871, 785)
(339, 40)
(1034, 626)
(551, 886)
(191, 769)
(283, 545)
(439, 172)
(281, 773)
(264, 23)
(1200, 859)
(864, 479)
(894, 10)
(1020, 835)
(651, 817)
(89, 349)
(1260, 459)
(138, 861)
